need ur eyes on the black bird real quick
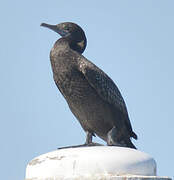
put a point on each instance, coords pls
(92, 96)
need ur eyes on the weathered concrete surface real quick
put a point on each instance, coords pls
(107, 177)
(95, 163)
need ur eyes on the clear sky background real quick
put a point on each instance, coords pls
(131, 40)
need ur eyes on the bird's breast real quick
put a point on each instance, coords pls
(85, 103)
(70, 81)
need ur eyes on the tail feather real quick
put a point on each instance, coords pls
(134, 135)
(130, 144)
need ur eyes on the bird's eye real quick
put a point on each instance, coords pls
(67, 28)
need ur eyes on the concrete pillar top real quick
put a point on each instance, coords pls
(92, 163)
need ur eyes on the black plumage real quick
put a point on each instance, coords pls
(92, 96)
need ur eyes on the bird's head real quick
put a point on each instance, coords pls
(72, 32)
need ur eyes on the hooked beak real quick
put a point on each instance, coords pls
(55, 28)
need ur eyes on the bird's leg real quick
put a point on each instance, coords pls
(112, 137)
(88, 138)
(87, 143)
(115, 138)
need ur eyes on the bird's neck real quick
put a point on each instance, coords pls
(78, 46)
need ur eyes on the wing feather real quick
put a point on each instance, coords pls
(106, 88)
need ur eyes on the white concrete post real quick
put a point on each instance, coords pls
(93, 163)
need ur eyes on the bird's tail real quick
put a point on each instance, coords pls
(130, 144)
(134, 135)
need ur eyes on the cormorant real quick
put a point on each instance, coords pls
(91, 94)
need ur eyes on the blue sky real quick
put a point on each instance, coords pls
(132, 41)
